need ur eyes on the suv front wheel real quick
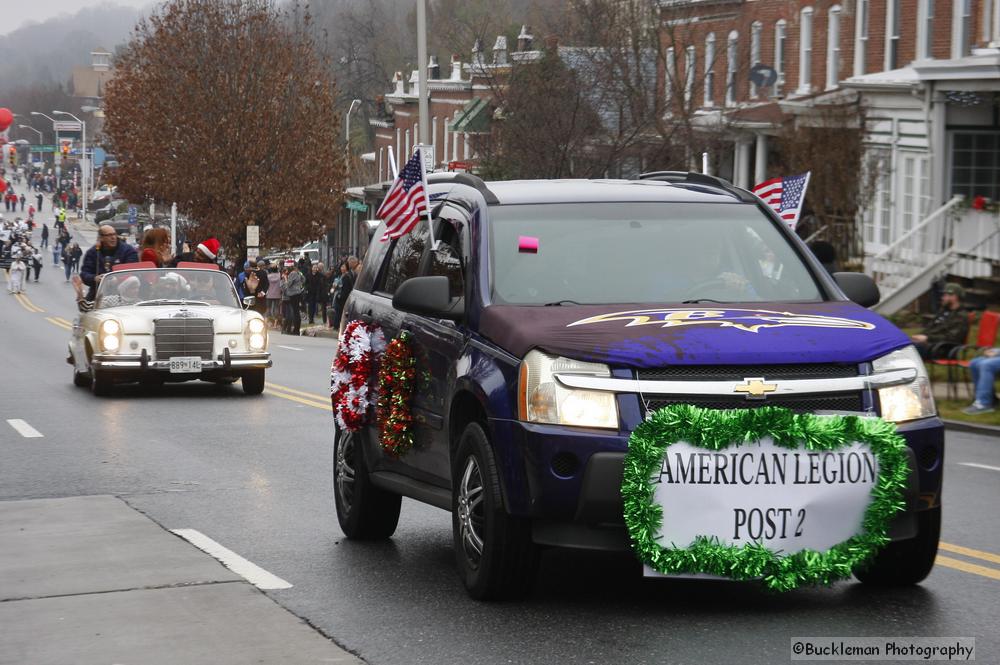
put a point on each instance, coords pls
(906, 562)
(364, 511)
(494, 552)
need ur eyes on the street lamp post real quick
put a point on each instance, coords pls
(347, 124)
(56, 131)
(83, 170)
(39, 138)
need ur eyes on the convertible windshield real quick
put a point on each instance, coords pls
(166, 287)
(608, 253)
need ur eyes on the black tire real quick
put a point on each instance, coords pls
(100, 383)
(906, 562)
(495, 554)
(253, 382)
(80, 379)
(365, 512)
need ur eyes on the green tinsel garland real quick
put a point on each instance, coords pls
(397, 381)
(716, 430)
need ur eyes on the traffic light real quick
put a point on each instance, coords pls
(65, 150)
(13, 155)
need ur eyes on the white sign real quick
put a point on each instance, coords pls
(66, 126)
(427, 153)
(786, 499)
(253, 236)
(253, 252)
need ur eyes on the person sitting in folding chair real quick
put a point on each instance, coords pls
(949, 329)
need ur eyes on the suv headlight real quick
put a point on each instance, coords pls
(911, 400)
(541, 399)
(256, 335)
(110, 335)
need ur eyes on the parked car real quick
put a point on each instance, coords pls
(555, 315)
(168, 325)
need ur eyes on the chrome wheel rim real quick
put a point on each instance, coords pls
(471, 511)
(344, 476)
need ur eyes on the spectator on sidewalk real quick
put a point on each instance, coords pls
(45, 236)
(273, 295)
(316, 290)
(950, 328)
(984, 370)
(295, 286)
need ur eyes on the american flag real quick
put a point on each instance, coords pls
(406, 201)
(785, 195)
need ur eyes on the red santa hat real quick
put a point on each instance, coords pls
(210, 247)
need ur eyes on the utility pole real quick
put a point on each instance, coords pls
(424, 111)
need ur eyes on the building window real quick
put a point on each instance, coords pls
(805, 50)
(731, 45)
(925, 30)
(892, 23)
(975, 171)
(689, 65)
(878, 220)
(961, 36)
(780, 32)
(915, 190)
(709, 68)
(833, 48)
(861, 36)
(670, 64)
(755, 29)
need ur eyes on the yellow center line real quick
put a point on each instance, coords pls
(318, 405)
(966, 567)
(27, 304)
(66, 321)
(56, 322)
(301, 393)
(968, 551)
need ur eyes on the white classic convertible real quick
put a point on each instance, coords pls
(157, 324)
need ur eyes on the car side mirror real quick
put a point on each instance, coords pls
(429, 296)
(249, 301)
(860, 288)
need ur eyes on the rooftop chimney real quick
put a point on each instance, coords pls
(456, 67)
(525, 39)
(415, 83)
(500, 51)
(397, 82)
(477, 52)
(552, 42)
(433, 69)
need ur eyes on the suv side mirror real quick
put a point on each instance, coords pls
(859, 287)
(429, 296)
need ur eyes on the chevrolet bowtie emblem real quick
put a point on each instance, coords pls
(755, 388)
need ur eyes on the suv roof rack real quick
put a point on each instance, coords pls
(469, 179)
(693, 178)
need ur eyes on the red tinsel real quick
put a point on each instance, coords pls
(397, 378)
(351, 389)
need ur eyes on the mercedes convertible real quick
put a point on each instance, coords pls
(156, 325)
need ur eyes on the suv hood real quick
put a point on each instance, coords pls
(650, 336)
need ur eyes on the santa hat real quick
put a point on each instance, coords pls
(210, 247)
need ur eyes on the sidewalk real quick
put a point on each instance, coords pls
(90, 580)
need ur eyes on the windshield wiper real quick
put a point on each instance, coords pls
(699, 300)
(562, 302)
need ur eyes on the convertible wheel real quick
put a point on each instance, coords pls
(365, 512)
(253, 382)
(906, 562)
(100, 383)
(495, 554)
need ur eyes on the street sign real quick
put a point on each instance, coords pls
(427, 152)
(253, 236)
(252, 252)
(66, 126)
(133, 215)
(355, 205)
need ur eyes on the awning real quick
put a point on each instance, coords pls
(474, 118)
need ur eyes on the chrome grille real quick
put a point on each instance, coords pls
(183, 337)
(740, 372)
(797, 403)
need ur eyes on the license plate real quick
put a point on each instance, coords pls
(185, 365)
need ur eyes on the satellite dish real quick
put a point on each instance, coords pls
(763, 76)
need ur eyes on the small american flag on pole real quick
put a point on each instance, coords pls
(785, 196)
(405, 203)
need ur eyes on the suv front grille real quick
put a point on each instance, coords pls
(800, 403)
(183, 337)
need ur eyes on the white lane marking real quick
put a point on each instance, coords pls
(290, 348)
(24, 429)
(248, 570)
(980, 466)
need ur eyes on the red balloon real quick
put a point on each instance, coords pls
(6, 117)
(3, 186)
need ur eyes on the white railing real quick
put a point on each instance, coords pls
(916, 250)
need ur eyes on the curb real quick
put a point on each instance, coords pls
(960, 426)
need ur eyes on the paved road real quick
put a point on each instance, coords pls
(253, 473)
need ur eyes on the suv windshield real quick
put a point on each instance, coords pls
(166, 286)
(608, 253)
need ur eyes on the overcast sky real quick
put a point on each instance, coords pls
(18, 12)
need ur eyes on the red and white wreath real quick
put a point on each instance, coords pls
(352, 377)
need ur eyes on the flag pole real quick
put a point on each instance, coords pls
(427, 197)
(802, 201)
(392, 164)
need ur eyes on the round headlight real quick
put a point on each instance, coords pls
(256, 326)
(111, 327)
(256, 341)
(110, 343)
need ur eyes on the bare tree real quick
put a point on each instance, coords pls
(225, 107)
